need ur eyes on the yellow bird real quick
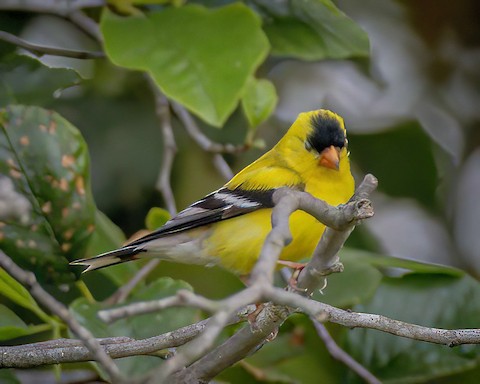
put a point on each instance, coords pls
(228, 226)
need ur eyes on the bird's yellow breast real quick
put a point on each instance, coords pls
(246, 234)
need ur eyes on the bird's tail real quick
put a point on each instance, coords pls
(118, 256)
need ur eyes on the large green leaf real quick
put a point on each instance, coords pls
(25, 80)
(430, 300)
(311, 30)
(349, 255)
(362, 276)
(44, 167)
(199, 57)
(139, 326)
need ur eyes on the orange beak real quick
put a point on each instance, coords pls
(329, 158)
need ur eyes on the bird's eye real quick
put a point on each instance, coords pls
(308, 146)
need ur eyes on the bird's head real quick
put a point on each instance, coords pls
(319, 136)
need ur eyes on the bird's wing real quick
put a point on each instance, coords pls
(219, 205)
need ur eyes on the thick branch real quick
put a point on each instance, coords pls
(69, 350)
(324, 312)
(240, 345)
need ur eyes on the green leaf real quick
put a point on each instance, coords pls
(156, 217)
(44, 167)
(8, 377)
(381, 261)
(439, 301)
(259, 100)
(139, 327)
(14, 291)
(311, 30)
(362, 276)
(11, 325)
(409, 148)
(356, 284)
(25, 80)
(199, 57)
(17, 293)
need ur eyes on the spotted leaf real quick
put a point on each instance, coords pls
(46, 207)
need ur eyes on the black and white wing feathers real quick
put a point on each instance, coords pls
(219, 205)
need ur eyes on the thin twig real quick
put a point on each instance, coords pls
(124, 291)
(200, 138)
(163, 183)
(29, 280)
(206, 143)
(222, 166)
(86, 24)
(183, 298)
(40, 50)
(169, 147)
(339, 354)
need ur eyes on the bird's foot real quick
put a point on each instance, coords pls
(297, 268)
(252, 317)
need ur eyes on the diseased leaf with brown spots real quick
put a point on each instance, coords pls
(46, 207)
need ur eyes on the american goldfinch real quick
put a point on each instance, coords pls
(228, 226)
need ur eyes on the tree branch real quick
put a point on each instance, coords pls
(70, 350)
(222, 166)
(197, 360)
(200, 138)
(260, 289)
(206, 144)
(40, 50)
(339, 354)
(169, 146)
(325, 255)
(29, 280)
(324, 312)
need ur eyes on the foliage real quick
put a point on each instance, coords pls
(228, 63)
